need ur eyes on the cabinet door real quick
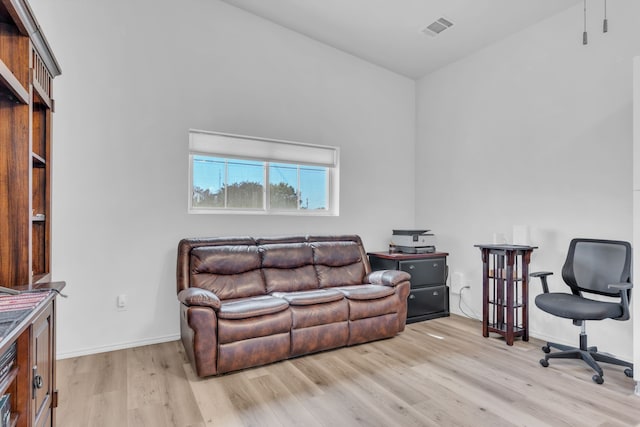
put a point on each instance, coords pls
(425, 272)
(42, 370)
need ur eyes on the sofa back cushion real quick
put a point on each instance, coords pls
(228, 271)
(338, 263)
(288, 267)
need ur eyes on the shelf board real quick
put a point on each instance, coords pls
(502, 328)
(503, 303)
(42, 278)
(8, 79)
(38, 161)
(515, 279)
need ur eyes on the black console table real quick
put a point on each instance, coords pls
(505, 295)
(429, 296)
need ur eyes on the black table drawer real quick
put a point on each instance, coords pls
(428, 300)
(425, 271)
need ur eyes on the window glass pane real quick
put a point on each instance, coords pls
(245, 184)
(313, 188)
(208, 182)
(283, 186)
(299, 180)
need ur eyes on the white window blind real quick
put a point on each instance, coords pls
(235, 146)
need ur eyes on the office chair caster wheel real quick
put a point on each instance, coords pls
(546, 349)
(629, 372)
(597, 379)
(544, 362)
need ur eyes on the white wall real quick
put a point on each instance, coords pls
(534, 130)
(137, 74)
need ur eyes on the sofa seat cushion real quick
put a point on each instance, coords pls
(318, 296)
(368, 301)
(251, 307)
(233, 330)
(366, 292)
(313, 308)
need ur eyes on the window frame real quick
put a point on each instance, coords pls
(241, 147)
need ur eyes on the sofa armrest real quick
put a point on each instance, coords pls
(200, 297)
(388, 277)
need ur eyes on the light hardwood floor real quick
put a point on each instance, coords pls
(436, 373)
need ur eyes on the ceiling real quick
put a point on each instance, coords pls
(389, 32)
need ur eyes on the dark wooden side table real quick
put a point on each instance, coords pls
(505, 295)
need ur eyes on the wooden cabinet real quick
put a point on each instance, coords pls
(429, 295)
(31, 382)
(27, 68)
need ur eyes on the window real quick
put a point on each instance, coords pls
(237, 174)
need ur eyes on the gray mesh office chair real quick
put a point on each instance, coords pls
(600, 267)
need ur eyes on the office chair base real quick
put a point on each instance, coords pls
(547, 348)
(589, 355)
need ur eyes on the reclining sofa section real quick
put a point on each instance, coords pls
(251, 301)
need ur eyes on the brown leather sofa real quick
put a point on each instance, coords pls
(251, 301)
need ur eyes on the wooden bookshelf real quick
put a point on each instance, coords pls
(27, 70)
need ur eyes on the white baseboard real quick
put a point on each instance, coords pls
(120, 346)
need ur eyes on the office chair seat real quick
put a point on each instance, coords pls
(575, 307)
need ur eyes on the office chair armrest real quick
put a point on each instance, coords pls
(543, 278)
(621, 286)
(541, 274)
(624, 289)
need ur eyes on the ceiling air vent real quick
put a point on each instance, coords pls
(437, 26)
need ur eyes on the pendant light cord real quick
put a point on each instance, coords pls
(584, 32)
(605, 23)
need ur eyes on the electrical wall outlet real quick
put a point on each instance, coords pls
(121, 302)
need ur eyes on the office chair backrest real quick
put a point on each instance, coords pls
(592, 265)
